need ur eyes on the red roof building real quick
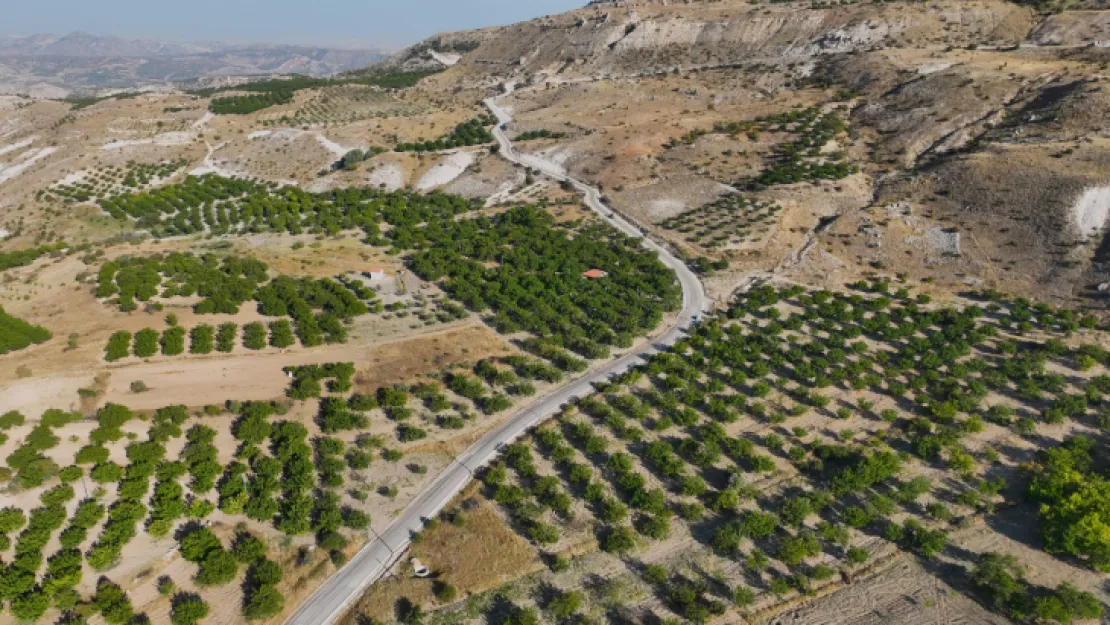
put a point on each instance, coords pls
(594, 274)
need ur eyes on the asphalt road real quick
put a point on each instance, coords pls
(332, 599)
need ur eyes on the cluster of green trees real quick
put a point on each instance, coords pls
(261, 598)
(690, 598)
(472, 132)
(802, 159)
(999, 577)
(289, 468)
(731, 220)
(1021, 316)
(540, 134)
(299, 298)
(32, 468)
(338, 415)
(246, 104)
(223, 283)
(1072, 496)
(79, 102)
(798, 160)
(17, 334)
(112, 603)
(216, 565)
(351, 159)
(267, 93)
(22, 258)
(706, 267)
(307, 378)
(88, 513)
(134, 484)
(518, 502)
(537, 284)
(30, 596)
(582, 317)
(29, 600)
(187, 609)
(108, 181)
(219, 205)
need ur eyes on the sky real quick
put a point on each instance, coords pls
(388, 22)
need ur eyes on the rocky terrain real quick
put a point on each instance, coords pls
(983, 118)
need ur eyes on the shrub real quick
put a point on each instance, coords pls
(218, 568)
(187, 609)
(858, 555)
(254, 336)
(225, 337)
(30, 605)
(618, 540)
(281, 334)
(202, 339)
(119, 346)
(247, 548)
(262, 603)
(91, 454)
(173, 341)
(146, 343)
(445, 592)
(565, 604)
(71, 473)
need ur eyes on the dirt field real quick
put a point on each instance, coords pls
(901, 594)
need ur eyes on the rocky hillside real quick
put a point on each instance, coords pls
(642, 37)
(987, 118)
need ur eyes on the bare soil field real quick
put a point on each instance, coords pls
(903, 593)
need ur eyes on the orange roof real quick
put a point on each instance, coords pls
(594, 274)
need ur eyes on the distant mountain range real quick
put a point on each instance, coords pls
(53, 65)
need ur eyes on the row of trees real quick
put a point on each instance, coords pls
(22, 258)
(31, 467)
(472, 132)
(802, 158)
(246, 104)
(219, 205)
(222, 283)
(266, 93)
(203, 339)
(540, 134)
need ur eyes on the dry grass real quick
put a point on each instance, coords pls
(481, 554)
(407, 360)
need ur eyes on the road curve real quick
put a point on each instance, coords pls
(332, 599)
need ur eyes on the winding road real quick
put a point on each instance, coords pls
(339, 592)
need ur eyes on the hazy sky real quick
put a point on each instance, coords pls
(392, 22)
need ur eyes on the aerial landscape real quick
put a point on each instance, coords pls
(764, 312)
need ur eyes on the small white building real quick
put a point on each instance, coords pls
(376, 273)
